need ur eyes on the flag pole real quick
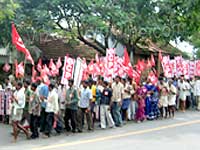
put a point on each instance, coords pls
(24, 69)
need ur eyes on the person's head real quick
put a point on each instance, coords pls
(7, 80)
(182, 78)
(33, 87)
(19, 85)
(105, 84)
(117, 79)
(71, 83)
(51, 87)
(90, 83)
(170, 82)
(94, 82)
(38, 81)
(100, 80)
(85, 84)
(26, 83)
(123, 81)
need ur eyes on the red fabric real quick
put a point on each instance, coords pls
(68, 70)
(6, 67)
(90, 67)
(16, 69)
(34, 74)
(126, 58)
(44, 76)
(152, 61)
(149, 64)
(39, 65)
(97, 58)
(21, 69)
(53, 69)
(127, 64)
(153, 78)
(140, 65)
(46, 70)
(59, 63)
(197, 72)
(17, 41)
(110, 60)
(84, 66)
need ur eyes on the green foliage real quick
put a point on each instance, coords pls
(129, 22)
(7, 14)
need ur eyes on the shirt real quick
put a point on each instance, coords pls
(106, 96)
(93, 89)
(188, 88)
(20, 96)
(27, 96)
(72, 98)
(52, 102)
(86, 96)
(126, 94)
(117, 92)
(43, 91)
(62, 97)
(197, 88)
(34, 104)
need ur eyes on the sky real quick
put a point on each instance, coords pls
(183, 46)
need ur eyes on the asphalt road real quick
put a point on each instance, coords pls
(181, 133)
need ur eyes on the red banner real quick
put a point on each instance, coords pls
(110, 56)
(68, 70)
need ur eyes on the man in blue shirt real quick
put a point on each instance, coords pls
(43, 92)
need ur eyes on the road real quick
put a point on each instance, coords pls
(182, 132)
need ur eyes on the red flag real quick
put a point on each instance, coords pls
(54, 70)
(149, 64)
(6, 67)
(153, 78)
(44, 76)
(19, 69)
(90, 68)
(160, 56)
(97, 58)
(59, 63)
(17, 41)
(16, 69)
(68, 70)
(34, 74)
(152, 61)
(127, 64)
(46, 70)
(39, 65)
(84, 65)
(110, 60)
(126, 58)
(140, 65)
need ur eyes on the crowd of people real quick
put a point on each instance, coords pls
(109, 104)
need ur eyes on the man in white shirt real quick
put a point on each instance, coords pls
(52, 109)
(117, 88)
(172, 98)
(18, 104)
(182, 93)
(197, 92)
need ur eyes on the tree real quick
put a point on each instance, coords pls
(95, 22)
(7, 14)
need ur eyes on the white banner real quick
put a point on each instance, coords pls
(68, 70)
(78, 72)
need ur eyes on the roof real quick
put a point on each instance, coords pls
(151, 47)
(59, 48)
